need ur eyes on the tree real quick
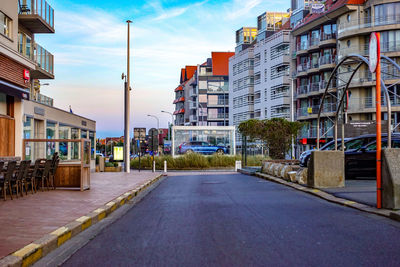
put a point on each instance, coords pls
(277, 133)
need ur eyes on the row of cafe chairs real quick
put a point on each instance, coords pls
(15, 178)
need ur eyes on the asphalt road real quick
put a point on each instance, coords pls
(238, 220)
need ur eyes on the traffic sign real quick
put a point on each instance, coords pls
(139, 133)
(374, 51)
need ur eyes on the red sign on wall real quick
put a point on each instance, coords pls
(27, 75)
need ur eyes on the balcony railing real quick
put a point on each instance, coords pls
(302, 46)
(314, 41)
(302, 89)
(44, 59)
(368, 22)
(314, 87)
(218, 116)
(313, 110)
(193, 118)
(45, 100)
(327, 36)
(302, 67)
(40, 8)
(327, 59)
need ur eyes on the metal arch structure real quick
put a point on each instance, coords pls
(361, 61)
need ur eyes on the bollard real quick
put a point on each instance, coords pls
(238, 165)
(154, 166)
(165, 166)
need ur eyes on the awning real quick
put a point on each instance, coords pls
(13, 90)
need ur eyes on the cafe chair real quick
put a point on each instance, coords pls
(5, 183)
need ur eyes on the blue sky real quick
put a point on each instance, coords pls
(90, 52)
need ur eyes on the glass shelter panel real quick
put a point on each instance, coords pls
(206, 140)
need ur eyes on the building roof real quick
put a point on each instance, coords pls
(330, 6)
(190, 70)
(220, 62)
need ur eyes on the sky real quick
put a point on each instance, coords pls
(90, 47)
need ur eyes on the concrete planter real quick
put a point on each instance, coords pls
(113, 169)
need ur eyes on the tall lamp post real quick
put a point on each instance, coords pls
(127, 104)
(172, 122)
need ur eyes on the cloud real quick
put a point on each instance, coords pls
(240, 10)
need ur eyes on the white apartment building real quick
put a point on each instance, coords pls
(259, 84)
(272, 95)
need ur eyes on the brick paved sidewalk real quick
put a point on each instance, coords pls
(27, 219)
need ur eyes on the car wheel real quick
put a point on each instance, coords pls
(220, 152)
(189, 151)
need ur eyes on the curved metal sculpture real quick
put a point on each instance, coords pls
(361, 61)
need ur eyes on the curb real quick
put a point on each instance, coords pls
(394, 215)
(36, 250)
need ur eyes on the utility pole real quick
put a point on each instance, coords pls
(127, 106)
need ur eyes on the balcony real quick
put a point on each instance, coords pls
(36, 15)
(302, 69)
(45, 100)
(314, 44)
(301, 48)
(219, 116)
(367, 25)
(302, 90)
(327, 40)
(45, 63)
(312, 67)
(193, 93)
(327, 62)
(313, 87)
(219, 103)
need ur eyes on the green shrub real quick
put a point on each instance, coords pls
(195, 161)
(97, 160)
(109, 164)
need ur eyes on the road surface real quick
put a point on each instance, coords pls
(220, 219)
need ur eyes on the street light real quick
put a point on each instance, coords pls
(158, 121)
(172, 122)
(292, 111)
(127, 104)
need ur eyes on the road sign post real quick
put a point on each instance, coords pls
(375, 66)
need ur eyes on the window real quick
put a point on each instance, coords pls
(6, 28)
(3, 104)
(25, 44)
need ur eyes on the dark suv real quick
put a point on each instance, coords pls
(202, 148)
(351, 144)
(362, 162)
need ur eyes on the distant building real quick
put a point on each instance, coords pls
(202, 96)
(258, 72)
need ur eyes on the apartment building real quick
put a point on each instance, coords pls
(182, 94)
(258, 78)
(323, 38)
(203, 98)
(24, 112)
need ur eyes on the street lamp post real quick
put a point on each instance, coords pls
(127, 104)
(172, 122)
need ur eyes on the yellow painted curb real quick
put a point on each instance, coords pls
(101, 214)
(63, 234)
(112, 205)
(29, 254)
(85, 221)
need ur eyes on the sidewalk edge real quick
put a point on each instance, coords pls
(34, 251)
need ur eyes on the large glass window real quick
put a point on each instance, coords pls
(92, 143)
(63, 133)
(24, 44)
(50, 134)
(5, 25)
(390, 41)
(75, 146)
(28, 134)
(387, 13)
(3, 104)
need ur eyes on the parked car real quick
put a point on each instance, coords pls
(362, 162)
(202, 148)
(351, 144)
